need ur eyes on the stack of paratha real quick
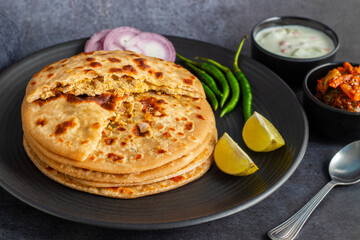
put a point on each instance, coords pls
(118, 124)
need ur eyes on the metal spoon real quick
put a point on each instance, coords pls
(344, 169)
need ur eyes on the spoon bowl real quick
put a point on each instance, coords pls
(344, 169)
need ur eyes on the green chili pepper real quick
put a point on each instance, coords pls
(245, 86)
(205, 78)
(210, 95)
(215, 73)
(234, 85)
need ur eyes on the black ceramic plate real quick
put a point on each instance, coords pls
(213, 196)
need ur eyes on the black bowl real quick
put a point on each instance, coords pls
(324, 119)
(291, 70)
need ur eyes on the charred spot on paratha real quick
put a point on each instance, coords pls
(167, 135)
(90, 59)
(160, 151)
(138, 133)
(62, 128)
(48, 68)
(153, 106)
(199, 116)
(114, 60)
(189, 126)
(138, 156)
(115, 70)
(115, 158)
(110, 141)
(159, 75)
(133, 54)
(129, 68)
(124, 69)
(95, 64)
(41, 122)
(188, 81)
(141, 63)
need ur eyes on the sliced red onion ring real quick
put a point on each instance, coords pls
(95, 43)
(118, 37)
(135, 49)
(152, 44)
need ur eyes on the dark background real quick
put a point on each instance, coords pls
(35, 25)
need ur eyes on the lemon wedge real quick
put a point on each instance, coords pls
(231, 159)
(260, 135)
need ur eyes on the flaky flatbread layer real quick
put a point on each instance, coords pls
(94, 179)
(108, 165)
(119, 72)
(165, 171)
(124, 192)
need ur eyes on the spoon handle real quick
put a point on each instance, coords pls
(291, 227)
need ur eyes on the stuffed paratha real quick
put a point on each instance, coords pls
(104, 119)
(118, 72)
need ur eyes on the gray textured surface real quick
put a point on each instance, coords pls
(10, 37)
(46, 23)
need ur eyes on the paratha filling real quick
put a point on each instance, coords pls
(107, 101)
